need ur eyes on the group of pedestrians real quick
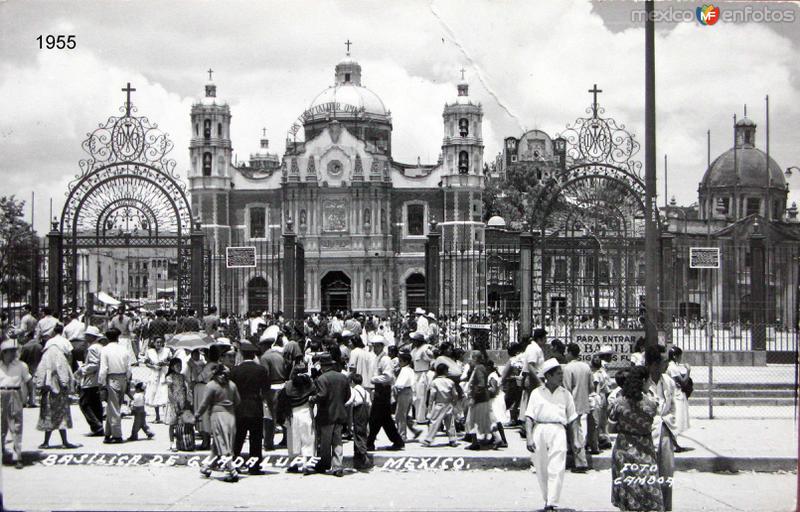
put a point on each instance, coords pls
(348, 376)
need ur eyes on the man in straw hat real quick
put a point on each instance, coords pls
(14, 379)
(332, 393)
(550, 410)
(90, 402)
(422, 321)
(380, 416)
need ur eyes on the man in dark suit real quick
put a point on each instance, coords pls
(252, 381)
(332, 392)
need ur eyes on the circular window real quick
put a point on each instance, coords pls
(335, 168)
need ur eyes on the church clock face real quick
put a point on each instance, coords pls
(335, 168)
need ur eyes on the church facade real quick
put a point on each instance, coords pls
(362, 217)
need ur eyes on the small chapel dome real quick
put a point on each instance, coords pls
(496, 222)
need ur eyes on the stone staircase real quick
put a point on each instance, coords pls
(744, 394)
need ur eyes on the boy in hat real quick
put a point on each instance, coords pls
(550, 410)
(14, 379)
(359, 403)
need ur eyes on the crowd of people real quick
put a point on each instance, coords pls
(329, 378)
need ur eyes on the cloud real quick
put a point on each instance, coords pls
(529, 63)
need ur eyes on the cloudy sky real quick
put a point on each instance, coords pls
(529, 63)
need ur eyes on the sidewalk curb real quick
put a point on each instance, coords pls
(411, 463)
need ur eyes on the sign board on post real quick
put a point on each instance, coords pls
(704, 257)
(591, 340)
(240, 257)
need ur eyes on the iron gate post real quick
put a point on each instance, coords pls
(667, 283)
(526, 288)
(289, 270)
(197, 268)
(55, 254)
(432, 269)
(758, 333)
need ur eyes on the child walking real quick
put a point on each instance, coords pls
(139, 415)
(443, 398)
(360, 403)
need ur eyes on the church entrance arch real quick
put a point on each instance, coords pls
(415, 291)
(336, 291)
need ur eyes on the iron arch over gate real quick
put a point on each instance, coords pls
(127, 195)
(589, 266)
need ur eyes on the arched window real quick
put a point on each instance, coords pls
(207, 128)
(258, 222)
(415, 219)
(206, 164)
(219, 130)
(463, 127)
(463, 163)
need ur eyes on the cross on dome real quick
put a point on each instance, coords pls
(210, 73)
(462, 73)
(347, 44)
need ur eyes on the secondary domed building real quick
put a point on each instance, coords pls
(741, 210)
(737, 183)
(361, 216)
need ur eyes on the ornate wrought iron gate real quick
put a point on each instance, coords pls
(127, 196)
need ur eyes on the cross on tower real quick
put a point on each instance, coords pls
(594, 90)
(347, 44)
(128, 90)
(210, 72)
(263, 132)
(462, 73)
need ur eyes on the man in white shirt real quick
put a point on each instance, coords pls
(532, 360)
(422, 322)
(404, 391)
(550, 410)
(114, 374)
(14, 382)
(578, 381)
(74, 330)
(380, 416)
(421, 356)
(363, 362)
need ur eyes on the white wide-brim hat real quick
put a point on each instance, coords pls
(549, 365)
(605, 349)
(419, 311)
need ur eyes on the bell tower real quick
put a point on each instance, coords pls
(463, 182)
(210, 154)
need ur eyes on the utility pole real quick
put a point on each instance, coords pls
(653, 273)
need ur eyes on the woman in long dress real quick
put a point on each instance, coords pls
(479, 416)
(54, 381)
(157, 360)
(680, 373)
(634, 468)
(296, 413)
(177, 399)
(221, 399)
(206, 374)
(498, 401)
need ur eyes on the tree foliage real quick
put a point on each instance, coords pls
(18, 246)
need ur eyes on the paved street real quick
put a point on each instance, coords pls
(182, 488)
